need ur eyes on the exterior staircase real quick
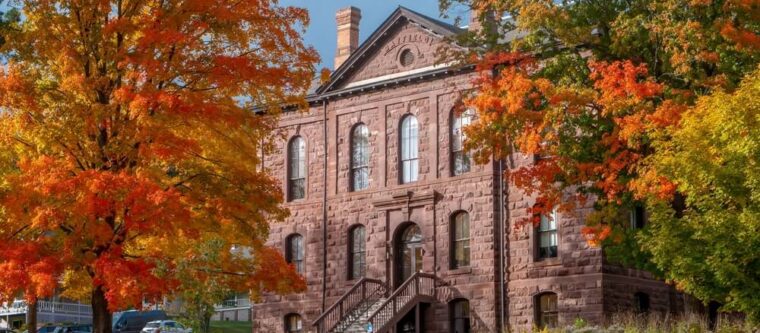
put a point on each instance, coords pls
(365, 303)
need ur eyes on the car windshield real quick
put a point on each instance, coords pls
(151, 325)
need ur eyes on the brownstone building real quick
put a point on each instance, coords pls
(395, 228)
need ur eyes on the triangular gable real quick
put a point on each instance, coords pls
(378, 58)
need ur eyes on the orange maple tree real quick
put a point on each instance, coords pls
(128, 141)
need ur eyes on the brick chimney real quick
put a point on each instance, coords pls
(475, 24)
(348, 33)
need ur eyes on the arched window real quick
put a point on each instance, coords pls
(296, 168)
(460, 160)
(360, 157)
(641, 302)
(546, 235)
(546, 310)
(357, 254)
(293, 323)
(459, 316)
(409, 149)
(294, 252)
(460, 240)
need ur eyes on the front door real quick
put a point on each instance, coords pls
(409, 254)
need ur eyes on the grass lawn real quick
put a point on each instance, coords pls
(231, 327)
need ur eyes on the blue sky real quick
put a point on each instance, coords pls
(321, 32)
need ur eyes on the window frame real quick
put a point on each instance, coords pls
(454, 318)
(638, 217)
(455, 239)
(366, 151)
(457, 123)
(287, 320)
(353, 252)
(641, 302)
(290, 256)
(405, 160)
(539, 232)
(301, 168)
(540, 313)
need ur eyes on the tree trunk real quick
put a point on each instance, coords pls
(101, 316)
(31, 316)
(205, 320)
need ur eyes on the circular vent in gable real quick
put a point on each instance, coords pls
(406, 58)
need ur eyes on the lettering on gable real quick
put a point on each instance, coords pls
(416, 38)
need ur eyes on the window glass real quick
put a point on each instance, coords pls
(638, 216)
(409, 149)
(460, 240)
(360, 157)
(297, 169)
(546, 310)
(358, 253)
(460, 316)
(460, 160)
(295, 252)
(293, 323)
(641, 302)
(547, 236)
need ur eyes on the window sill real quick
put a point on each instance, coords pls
(460, 271)
(556, 261)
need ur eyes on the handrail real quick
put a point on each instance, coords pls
(358, 293)
(382, 317)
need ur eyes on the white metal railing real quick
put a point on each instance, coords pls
(234, 303)
(48, 307)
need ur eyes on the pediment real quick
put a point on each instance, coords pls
(405, 44)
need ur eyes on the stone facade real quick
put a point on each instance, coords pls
(374, 88)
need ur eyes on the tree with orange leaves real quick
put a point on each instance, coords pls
(595, 90)
(128, 144)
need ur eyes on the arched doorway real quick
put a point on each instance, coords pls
(408, 253)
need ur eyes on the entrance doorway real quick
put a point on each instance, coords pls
(408, 253)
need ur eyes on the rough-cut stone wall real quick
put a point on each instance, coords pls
(620, 285)
(575, 275)
(305, 219)
(386, 207)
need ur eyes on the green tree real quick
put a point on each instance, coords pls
(598, 89)
(713, 249)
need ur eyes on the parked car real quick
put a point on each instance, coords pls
(74, 328)
(165, 326)
(134, 321)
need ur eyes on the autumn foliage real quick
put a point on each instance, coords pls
(594, 93)
(129, 141)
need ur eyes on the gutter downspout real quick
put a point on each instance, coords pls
(324, 207)
(502, 245)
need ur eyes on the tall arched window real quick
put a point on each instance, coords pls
(294, 252)
(545, 305)
(358, 254)
(546, 236)
(460, 160)
(460, 240)
(360, 157)
(409, 149)
(459, 315)
(293, 323)
(297, 168)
